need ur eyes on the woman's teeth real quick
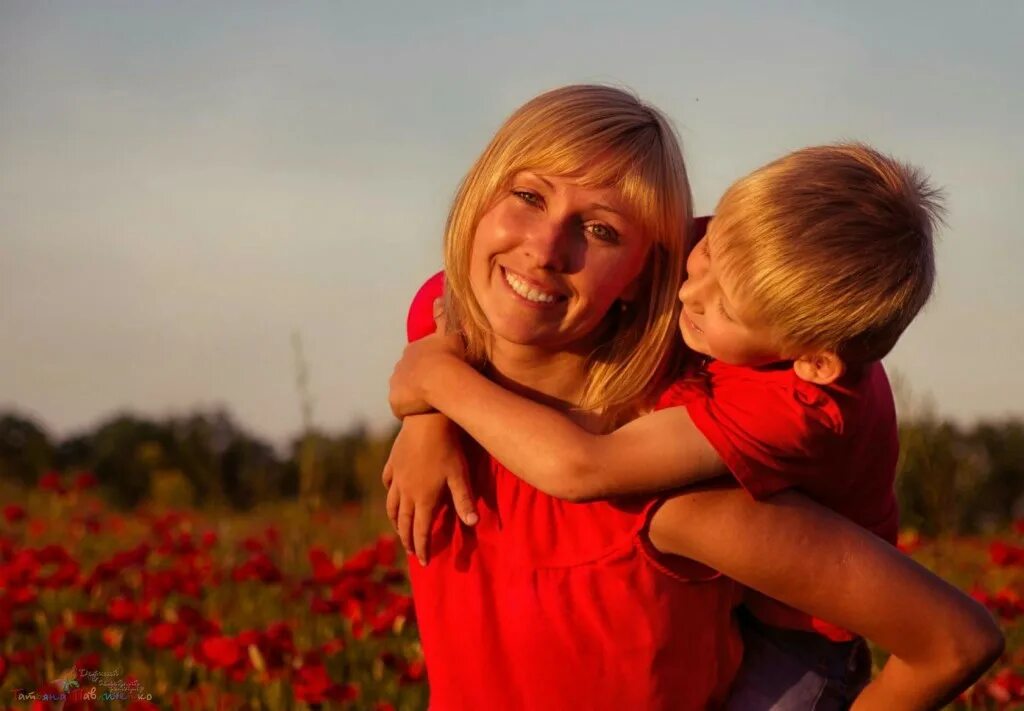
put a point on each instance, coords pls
(528, 292)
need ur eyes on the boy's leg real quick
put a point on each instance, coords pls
(788, 670)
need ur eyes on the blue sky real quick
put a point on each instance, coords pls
(184, 184)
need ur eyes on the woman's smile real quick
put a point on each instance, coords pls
(528, 290)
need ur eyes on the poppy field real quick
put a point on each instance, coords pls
(281, 607)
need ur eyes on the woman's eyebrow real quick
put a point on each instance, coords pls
(607, 208)
(537, 176)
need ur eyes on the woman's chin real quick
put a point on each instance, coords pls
(523, 335)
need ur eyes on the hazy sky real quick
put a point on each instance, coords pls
(184, 184)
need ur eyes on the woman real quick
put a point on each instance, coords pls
(564, 251)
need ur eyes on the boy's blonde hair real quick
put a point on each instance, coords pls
(605, 137)
(832, 247)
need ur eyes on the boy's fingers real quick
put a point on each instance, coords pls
(405, 511)
(391, 506)
(462, 497)
(387, 475)
(421, 531)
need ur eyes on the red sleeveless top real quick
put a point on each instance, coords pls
(546, 604)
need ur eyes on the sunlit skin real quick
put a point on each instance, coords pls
(576, 246)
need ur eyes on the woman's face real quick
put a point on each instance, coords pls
(550, 257)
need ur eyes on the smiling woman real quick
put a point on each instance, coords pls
(582, 193)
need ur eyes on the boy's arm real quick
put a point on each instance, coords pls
(548, 450)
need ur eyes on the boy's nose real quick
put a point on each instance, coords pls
(689, 294)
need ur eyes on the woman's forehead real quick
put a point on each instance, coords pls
(609, 194)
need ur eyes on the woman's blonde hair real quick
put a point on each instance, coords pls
(605, 137)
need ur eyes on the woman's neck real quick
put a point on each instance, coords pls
(555, 378)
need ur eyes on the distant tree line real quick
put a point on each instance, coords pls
(198, 459)
(952, 478)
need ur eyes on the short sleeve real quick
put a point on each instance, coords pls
(420, 321)
(772, 437)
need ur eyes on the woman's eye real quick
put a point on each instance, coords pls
(528, 197)
(603, 232)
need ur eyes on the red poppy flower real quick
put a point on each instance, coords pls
(259, 568)
(313, 685)
(166, 635)
(252, 544)
(413, 673)
(122, 610)
(84, 481)
(219, 652)
(386, 550)
(22, 596)
(89, 662)
(37, 527)
(50, 481)
(332, 647)
(272, 534)
(324, 571)
(90, 619)
(1006, 686)
(1004, 555)
(14, 513)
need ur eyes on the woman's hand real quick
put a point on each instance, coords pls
(419, 360)
(426, 457)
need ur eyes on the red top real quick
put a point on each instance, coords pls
(838, 444)
(546, 604)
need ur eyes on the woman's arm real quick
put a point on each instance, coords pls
(806, 556)
(544, 446)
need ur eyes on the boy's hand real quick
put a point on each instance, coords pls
(418, 360)
(426, 457)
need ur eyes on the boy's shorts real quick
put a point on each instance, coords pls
(792, 670)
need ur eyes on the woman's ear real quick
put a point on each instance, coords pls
(821, 368)
(628, 294)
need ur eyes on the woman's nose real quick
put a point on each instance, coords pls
(548, 244)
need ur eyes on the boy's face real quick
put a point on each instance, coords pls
(715, 318)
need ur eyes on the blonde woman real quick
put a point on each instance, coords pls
(564, 252)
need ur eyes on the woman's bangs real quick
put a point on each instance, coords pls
(629, 164)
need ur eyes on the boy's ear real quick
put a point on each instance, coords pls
(821, 368)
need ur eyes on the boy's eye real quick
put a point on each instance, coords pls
(603, 232)
(721, 310)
